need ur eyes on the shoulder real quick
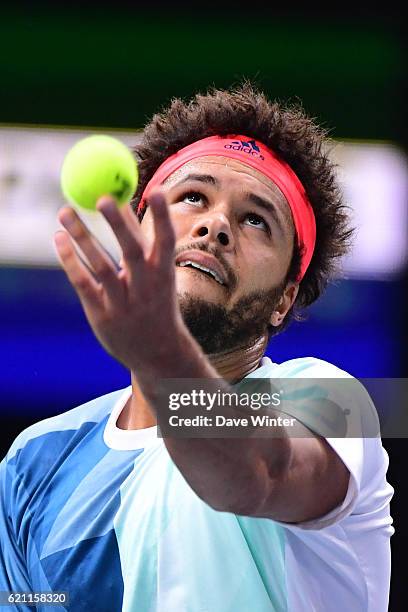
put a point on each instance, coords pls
(49, 459)
(340, 402)
(60, 428)
(309, 367)
(325, 398)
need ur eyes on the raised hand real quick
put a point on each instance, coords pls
(133, 311)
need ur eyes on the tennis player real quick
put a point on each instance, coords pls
(236, 226)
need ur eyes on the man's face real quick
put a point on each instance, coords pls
(234, 221)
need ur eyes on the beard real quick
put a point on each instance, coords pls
(218, 329)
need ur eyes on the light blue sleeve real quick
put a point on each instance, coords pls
(13, 570)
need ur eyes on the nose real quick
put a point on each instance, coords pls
(216, 227)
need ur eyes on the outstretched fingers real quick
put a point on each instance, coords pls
(164, 243)
(80, 277)
(101, 264)
(126, 230)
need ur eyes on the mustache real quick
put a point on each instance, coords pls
(202, 246)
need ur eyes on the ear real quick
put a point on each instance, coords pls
(284, 305)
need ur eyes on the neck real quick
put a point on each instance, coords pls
(232, 366)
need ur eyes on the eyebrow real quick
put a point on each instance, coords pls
(202, 178)
(257, 200)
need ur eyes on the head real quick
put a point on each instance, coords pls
(238, 220)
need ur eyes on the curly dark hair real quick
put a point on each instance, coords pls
(290, 133)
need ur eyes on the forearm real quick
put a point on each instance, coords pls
(231, 474)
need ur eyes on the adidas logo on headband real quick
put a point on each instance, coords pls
(250, 147)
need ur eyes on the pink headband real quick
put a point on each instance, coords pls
(256, 155)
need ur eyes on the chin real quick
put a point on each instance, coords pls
(198, 286)
(193, 293)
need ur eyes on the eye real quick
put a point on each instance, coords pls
(257, 221)
(192, 197)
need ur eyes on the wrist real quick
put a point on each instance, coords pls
(166, 354)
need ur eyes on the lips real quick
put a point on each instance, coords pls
(203, 261)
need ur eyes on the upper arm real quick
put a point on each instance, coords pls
(313, 481)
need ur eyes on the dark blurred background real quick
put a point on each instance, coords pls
(113, 67)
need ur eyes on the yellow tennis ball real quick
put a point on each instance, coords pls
(95, 166)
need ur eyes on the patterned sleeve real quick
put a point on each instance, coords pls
(13, 570)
